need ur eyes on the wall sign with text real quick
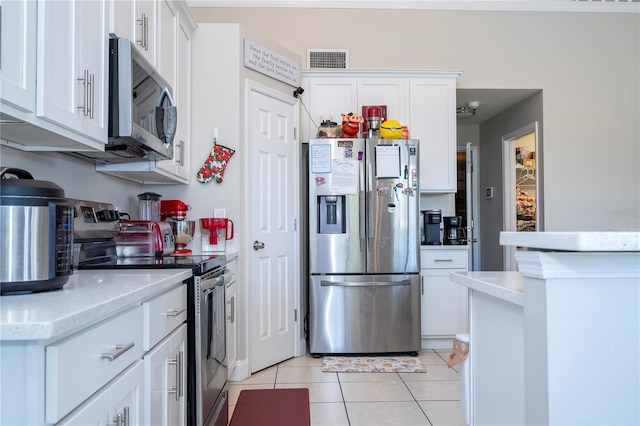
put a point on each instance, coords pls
(270, 63)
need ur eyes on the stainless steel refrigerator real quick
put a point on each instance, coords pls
(364, 246)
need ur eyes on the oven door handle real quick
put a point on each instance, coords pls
(209, 283)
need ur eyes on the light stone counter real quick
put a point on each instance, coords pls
(88, 297)
(506, 286)
(573, 241)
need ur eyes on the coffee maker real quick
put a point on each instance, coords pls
(430, 234)
(454, 233)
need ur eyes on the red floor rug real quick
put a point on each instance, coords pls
(272, 407)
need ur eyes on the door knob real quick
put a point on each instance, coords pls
(257, 245)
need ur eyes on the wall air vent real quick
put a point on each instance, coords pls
(327, 58)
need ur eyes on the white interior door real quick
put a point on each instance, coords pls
(274, 259)
(471, 172)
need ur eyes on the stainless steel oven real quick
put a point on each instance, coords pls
(210, 347)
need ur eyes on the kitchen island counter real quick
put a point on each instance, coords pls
(541, 337)
(506, 286)
(88, 297)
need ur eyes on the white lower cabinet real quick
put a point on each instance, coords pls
(93, 357)
(151, 392)
(165, 378)
(443, 302)
(128, 369)
(232, 325)
(118, 403)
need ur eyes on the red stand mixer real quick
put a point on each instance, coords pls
(174, 212)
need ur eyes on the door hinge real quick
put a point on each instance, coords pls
(295, 315)
(295, 224)
(295, 133)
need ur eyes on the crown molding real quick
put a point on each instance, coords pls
(608, 6)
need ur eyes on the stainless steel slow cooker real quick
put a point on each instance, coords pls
(36, 225)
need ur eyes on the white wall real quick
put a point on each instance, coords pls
(78, 178)
(586, 64)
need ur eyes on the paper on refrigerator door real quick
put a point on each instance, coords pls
(344, 179)
(387, 161)
(321, 158)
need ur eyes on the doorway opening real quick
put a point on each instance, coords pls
(522, 195)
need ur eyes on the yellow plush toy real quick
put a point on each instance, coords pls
(391, 129)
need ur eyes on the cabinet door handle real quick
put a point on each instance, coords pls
(142, 22)
(180, 153)
(179, 363)
(174, 312)
(85, 94)
(422, 284)
(443, 260)
(146, 32)
(232, 304)
(91, 94)
(122, 419)
(120, 349)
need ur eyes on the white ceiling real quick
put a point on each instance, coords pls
(492, 101)
(627, 6)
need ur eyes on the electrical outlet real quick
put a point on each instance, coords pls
(219, 213)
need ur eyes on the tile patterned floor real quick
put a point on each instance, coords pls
(374, 399)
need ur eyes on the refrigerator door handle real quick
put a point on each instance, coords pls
(362, 212)
(364, 283)
(369, 193)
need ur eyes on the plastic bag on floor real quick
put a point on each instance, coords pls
(459, 354)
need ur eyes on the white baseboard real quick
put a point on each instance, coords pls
(443, 343)
(240, 371)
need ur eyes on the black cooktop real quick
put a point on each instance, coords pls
(198, 263)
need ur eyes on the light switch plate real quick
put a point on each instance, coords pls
(488, 192)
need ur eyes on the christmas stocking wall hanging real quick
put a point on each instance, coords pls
(216, 163)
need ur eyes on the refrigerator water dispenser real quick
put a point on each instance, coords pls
(331, 214)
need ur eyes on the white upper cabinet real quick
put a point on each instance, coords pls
(328, 97)
(18, 54)
(384, 91)
(146, 36)
(72, 65)
(136, 20)
(168, 25)
(182, 148)
(424, 101)
(54, 76)
(433, 121)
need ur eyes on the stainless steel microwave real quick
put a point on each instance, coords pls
(142, 115)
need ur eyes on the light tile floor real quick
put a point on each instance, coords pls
(375, 399)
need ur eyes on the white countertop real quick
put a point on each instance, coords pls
(89, 296)
(502, 285)
(445, 247)
(573, 241)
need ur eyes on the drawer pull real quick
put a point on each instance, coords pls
(443, 260)
(174, 312)
(120, 349)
